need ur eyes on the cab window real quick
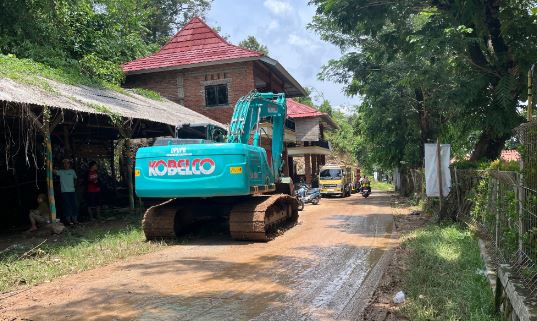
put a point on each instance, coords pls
(330, 174)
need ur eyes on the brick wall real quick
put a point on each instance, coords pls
(187, 87)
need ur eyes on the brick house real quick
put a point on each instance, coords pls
(200, 70)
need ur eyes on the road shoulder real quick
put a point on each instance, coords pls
(380, 306)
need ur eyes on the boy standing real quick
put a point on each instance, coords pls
(68, 182)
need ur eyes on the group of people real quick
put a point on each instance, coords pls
(68, 183)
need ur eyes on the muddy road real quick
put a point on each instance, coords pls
(322, 269)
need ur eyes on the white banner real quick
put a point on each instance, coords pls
(431, 169)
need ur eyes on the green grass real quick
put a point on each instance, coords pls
(383, 186)
(31, 72)
(148, 93)
(75, 250)
(442, 280)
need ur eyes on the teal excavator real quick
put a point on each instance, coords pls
(211, 177)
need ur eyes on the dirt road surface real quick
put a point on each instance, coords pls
(322, 269)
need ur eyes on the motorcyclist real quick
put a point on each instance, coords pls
(365, 183)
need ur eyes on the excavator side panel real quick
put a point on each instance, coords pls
(200, 170)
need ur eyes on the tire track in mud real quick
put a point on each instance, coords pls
(326, 290)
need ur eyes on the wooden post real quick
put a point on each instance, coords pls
(439, 173)
(49, 164)
(530, 93)
(520, 195)
(314, 168)
(130, 183)
(46, 126)
(457, 190)
(307, 168)
(291, 166)
(113, 166)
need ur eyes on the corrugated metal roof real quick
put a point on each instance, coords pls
(88, 99)
(194, 44)
(298, 110)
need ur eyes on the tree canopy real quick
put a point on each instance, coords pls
(454, 70)
(252, 44)
(96, 36)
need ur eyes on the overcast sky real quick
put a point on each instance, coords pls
(281, 26)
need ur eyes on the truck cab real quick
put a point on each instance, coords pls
(335, 180)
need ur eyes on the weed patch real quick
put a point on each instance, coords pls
(382, 186)
(76, 250)
(443, 279)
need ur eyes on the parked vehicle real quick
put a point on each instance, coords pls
(306, 195)
(335, 180)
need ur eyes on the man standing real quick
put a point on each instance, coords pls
(68, 182)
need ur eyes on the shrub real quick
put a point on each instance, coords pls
(95, 67)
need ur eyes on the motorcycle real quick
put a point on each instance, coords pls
(305, 194)
(366, 190)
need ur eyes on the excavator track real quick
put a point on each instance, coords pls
(257, 218)
(163, 220)
(262, 217)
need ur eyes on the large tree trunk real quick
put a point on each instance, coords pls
(489, 146)
(491, 142)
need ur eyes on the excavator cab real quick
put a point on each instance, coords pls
(207, 132)
(188, 134)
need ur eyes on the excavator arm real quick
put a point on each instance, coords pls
(249, 110)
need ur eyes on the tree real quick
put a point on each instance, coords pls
(451, 69)
(64, 32)
(308, 99)
(252, 44)
(168, 16)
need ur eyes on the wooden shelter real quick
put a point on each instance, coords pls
(47, 121)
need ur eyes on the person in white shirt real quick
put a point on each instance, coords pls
(67, 183)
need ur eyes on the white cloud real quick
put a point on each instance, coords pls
(273, 25)
(299, 41)
(298, 49)
(278, 6)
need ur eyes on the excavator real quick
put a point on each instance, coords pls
(218, 176)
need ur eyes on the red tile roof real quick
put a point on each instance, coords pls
(298, 110)
(509, 155)
(195, 43)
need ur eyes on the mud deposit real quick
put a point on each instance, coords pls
(318, 270)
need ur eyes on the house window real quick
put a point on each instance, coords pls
(216, 95)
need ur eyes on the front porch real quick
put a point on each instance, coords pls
(306, 159)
